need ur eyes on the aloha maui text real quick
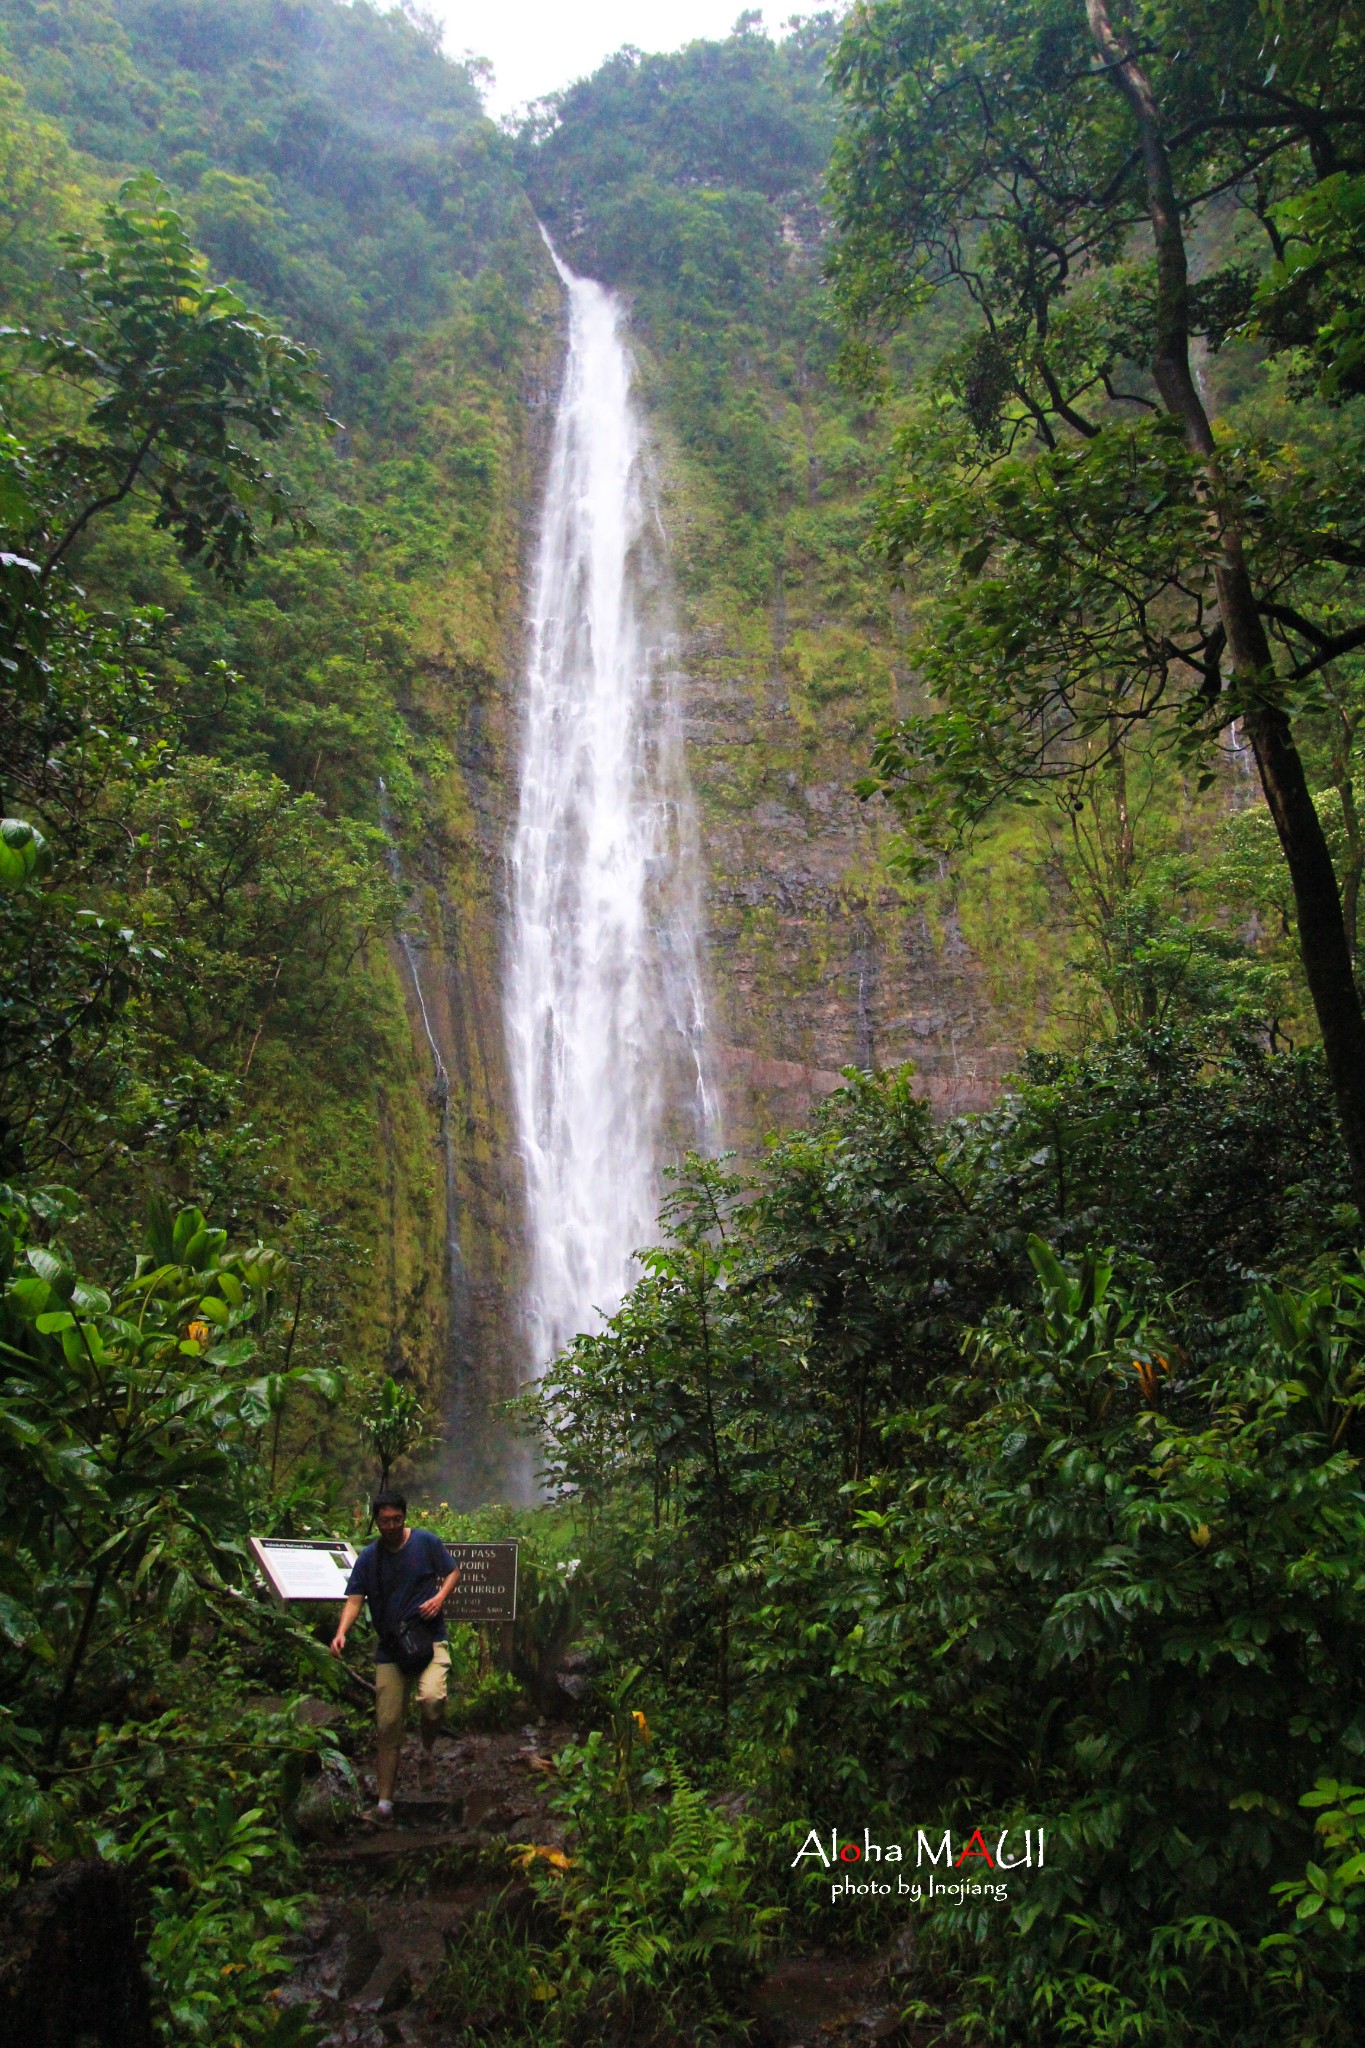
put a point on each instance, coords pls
(837, 1848)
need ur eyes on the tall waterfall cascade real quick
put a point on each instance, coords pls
(605, 1010)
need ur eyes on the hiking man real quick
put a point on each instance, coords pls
(406, 1575)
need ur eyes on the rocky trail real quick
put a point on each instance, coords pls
(391, 1899)
(393, 1902)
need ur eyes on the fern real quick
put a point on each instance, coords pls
(691, 1822)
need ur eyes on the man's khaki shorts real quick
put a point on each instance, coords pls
(392, 1691)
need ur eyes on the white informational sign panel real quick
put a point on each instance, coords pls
(296, 1569)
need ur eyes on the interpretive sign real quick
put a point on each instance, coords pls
(486, 1589)
(296, 1569)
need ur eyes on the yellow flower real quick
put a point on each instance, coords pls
(199, 1333)
(638, 1718)
(530, 1851)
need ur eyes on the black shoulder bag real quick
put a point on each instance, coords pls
(412, 1644)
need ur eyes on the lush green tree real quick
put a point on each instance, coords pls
(174, 385)
(335, 165)
(152, 869)
(756, 1372)
(393, 1424)
(1118, 560)
(133, 1419)
(671, 1424)
(985, 1531)
(1115, 1597)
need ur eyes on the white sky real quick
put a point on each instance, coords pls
(536, 46)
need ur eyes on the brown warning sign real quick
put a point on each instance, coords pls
(486, 1589)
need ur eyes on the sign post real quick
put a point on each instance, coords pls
(298, 1569)
(486, 1589)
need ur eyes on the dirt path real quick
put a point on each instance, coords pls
(390, 1899)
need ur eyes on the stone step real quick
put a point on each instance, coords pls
(422, 1808)
(377, 1845)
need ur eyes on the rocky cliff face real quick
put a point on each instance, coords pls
(817, 961)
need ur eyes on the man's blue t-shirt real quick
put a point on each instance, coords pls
(397, 1584)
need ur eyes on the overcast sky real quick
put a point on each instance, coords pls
(535, 46)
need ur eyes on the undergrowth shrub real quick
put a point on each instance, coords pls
(149, 1683)
(643, 1929)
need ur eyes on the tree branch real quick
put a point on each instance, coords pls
(104, 504)
(1339, 644)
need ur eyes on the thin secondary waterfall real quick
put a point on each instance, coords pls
(604, 1003)
(459, 1400)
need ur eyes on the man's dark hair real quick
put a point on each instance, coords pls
(389, 1498)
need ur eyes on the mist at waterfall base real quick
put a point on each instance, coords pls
(605, 1012)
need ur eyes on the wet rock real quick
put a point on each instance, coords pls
(308, 1940)
(903, 1952)
(343, 1953)
(394, 1993)
(315, 1713)
(362, 1951)
(326, 1805)
(817, 2000)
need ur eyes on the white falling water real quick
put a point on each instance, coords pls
(605, 1014)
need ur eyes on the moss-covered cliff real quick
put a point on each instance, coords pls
(340, 173)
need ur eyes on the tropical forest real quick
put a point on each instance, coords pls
(683, 785)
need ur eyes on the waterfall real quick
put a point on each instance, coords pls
(604, 1000)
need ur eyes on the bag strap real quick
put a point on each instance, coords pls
(383, 1630)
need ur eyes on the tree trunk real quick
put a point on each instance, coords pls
(77, 1658)
(1323, 945)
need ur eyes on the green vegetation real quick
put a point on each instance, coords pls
(234, 640)
(693, 181)
(393, 1425)
(1123, 561)
(260, 512)
(136, 1428)
(998, 1473)
(908, 1518)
